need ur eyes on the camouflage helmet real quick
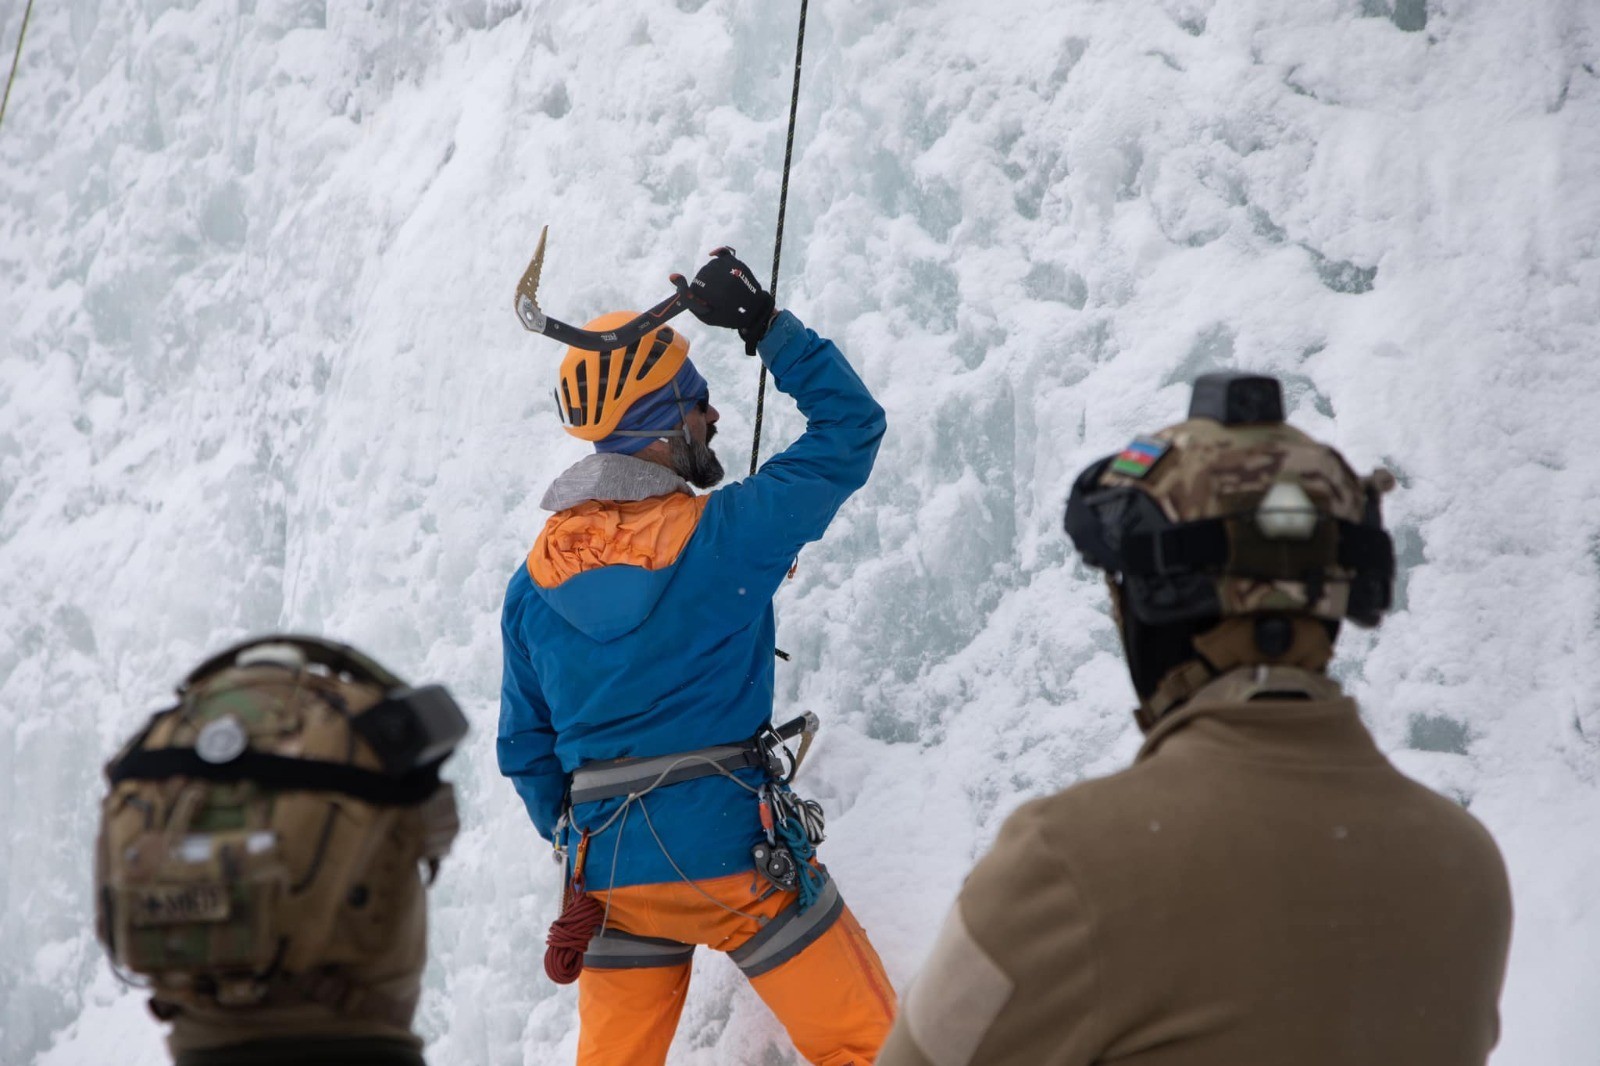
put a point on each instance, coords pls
(1232, 513)
(258, 859)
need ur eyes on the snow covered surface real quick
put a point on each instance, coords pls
(259, 370)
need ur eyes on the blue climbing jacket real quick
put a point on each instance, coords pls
(674, 651)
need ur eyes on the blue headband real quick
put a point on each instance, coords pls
(657, 414)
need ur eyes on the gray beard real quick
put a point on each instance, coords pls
(695, 462)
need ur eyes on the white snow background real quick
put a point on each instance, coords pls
(259, 371)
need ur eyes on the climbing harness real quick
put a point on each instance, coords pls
(790, 933)
(616, 778)
(783, 207)
(793, 827)
(15, 59)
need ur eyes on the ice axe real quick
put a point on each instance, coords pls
(773, 738)
(536, 321)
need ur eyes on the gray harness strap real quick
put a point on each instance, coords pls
(615, 778)
(616, 950)
(790, 933)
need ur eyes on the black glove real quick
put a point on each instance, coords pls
(725, 293)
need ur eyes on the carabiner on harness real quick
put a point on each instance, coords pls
(773, 860)
(782, 764)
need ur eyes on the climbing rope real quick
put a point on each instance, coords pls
(783, 206)
(581, 918)
(17, 58)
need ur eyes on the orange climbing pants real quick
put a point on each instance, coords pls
(816, 971)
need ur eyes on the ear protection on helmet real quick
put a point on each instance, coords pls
(1372, 586)
(1169, 569)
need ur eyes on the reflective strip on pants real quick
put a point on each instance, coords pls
(833, 996)
(790, 933)
(616, 950)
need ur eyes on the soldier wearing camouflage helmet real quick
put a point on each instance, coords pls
(1261, 886)
(261, 854)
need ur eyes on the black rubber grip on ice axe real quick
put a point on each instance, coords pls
(806, 723)
(537, 321)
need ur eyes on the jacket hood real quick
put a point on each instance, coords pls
(608, 553)
(610, 602)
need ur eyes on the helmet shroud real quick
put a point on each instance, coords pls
(259, 850)
(1225, 543)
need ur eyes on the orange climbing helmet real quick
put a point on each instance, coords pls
(598, 388)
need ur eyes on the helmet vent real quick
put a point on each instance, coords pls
(570, 413)
(663, 341)
(582, 378)
(600, 388)
(627, 366)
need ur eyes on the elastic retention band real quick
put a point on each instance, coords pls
(284, 774)
(616, 950)
(790, 933)
(1204, 546)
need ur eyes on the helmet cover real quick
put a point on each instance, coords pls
(1207, 520)
(230, 887)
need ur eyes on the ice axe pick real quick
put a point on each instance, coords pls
(535, 320)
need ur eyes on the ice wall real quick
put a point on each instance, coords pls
(258, 370)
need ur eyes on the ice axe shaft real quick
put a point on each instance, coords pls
(535, 320)
(805, 727)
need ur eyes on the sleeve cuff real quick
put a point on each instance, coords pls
(785, 328)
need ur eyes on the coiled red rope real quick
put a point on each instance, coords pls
(581, 915)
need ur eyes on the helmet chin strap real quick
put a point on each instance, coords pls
(683, 416)
(665, 434)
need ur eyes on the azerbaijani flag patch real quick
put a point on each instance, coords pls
(1140, 457)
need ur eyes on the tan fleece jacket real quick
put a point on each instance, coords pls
(1261, 887)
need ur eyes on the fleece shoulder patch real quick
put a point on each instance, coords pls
(957, 997)
(1139, 457)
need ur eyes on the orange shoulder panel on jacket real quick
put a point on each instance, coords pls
(648, 533)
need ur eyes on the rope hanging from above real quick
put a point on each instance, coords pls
(17, 58)
(783, 206)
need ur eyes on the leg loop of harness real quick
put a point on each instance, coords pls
(613, 949)
(791, 932)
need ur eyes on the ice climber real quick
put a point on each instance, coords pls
(259, 852)
(638, 675)
(1261, 886)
